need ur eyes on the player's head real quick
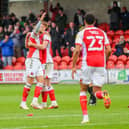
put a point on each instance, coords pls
(43, 27)
(89, 19)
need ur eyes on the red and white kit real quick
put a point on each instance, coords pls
(47, 62)
(33, 61)
(93, 41)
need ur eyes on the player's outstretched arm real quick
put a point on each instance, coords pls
(75, 57)
(39, 23)
(108, 51)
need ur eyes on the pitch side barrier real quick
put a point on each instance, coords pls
(115, 76)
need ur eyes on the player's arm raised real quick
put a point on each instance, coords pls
(36, 29)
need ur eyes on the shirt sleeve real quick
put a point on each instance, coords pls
(47, 38)
(79, 38)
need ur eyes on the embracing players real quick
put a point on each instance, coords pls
(34, 66)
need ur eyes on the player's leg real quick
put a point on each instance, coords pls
(98, 81)
(51, 93)
(29, 82)
(84, 83)
(39, 85)
(37, 92)
(92, 100)
(83, 102)
(26, 91)
(44, 92)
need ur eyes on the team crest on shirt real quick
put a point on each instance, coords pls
(31, 73)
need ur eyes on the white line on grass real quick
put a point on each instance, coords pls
(67, 125)
(23, 116)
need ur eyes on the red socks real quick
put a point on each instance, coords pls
(52, 95)
(37, 91)
(83, 103)
(99, 94)
(44, 96)
(25, 93)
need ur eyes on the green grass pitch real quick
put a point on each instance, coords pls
(68, 115)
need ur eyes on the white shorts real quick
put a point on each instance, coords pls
(93, 75)
(49, 70)
(33, 67)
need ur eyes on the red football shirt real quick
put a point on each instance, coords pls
(93, 41)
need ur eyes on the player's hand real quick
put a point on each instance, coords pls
(73, 72)
(43, 16)
(30, 44)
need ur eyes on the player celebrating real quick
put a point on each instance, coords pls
(48, 89)
(96, 45)
(33, 67)
(47, 63)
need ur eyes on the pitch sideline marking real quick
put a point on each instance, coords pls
(66, 125)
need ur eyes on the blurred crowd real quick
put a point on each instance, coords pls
(13, 30)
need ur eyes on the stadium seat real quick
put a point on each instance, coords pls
(66, 59)
(63, 63)
(113, 58)
(116, 40)
(57, 59)
(55, 66)
(110, 65)
(126, 32)
(64, 52)
(127, 66)
(21, 60)
(127, 61)
(120, 66)
(126, 38)
(119, 62)
(23, 67)
(18, 67)
(70, 66)
(111, 33)
(122, 58)
(62, 67)
(8, 67)
(14, 60)
(119, 32)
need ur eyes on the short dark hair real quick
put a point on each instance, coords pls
(90, 19)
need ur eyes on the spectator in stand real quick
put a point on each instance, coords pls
(7, 50)
(61, 20)
(120, 47)
(54, 10)
(114, 16)
(13, 19)
(55, 37)
(126, 48)
(24, 33)
(5, 21)
(10, 29)
(125, 18)
(1, 33)
(79, 18)
(16, 37)
(70, 37)
(32, 16)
